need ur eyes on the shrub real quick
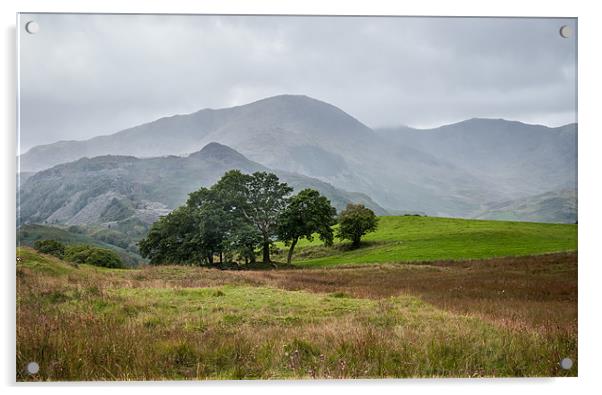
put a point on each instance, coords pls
(77, 253)
(51, 247)
(83, 253)
(104, 258)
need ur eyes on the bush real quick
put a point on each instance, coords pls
(83, 253)
(104, 258)
(51, 247)
(77, 253)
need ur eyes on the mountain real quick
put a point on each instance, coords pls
(110, 190)
(301, 135)
(556, 207)
(520, 159)
(450, 171)
(253, 128)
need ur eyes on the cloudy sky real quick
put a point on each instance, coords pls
(87, 75)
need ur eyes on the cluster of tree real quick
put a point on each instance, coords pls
(80, 253)
(238, 215)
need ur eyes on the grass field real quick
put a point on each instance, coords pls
(501, 317)
(412, 239)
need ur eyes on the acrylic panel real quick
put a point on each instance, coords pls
(295, 197)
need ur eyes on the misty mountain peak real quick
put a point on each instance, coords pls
(288, 99)
(307, 113)
(494, 122)
(217, 151)
(289, 119)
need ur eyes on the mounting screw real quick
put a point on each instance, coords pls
(32, 368)
(566, 363)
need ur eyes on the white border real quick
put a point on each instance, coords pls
(589, 184)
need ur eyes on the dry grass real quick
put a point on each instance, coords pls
(502, 317)
(534, 291)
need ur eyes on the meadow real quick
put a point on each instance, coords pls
(503, 305)
(418, 239)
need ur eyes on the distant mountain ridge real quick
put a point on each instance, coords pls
(556, 206)
(455, 170)
(183, 134)
(524, 159)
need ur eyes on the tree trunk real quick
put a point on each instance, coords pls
(221, 257)
(210, 258)
(289, 258)
(356, 242)
(266, 252)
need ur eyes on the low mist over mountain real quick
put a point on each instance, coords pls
(455, 170)
(520, 159)
(112, 189)
(278, 121)
(557, 206)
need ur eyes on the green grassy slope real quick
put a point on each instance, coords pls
(406, 239)
(43, 264)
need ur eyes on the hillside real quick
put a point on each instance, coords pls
(124, 193)
(418, 239)
(450, 171)
(125, 247)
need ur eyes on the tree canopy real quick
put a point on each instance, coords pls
(354, 222)
(265, 202)
(307, 213)
(231, 219)
(172, 239)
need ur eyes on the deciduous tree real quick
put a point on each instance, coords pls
(354, 222)
(306, 214)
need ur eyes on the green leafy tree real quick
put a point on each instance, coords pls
(234, 216)
(243, 241)
(307, 213)
(222, 226)
(173, 239)
(267, 200)
(213, 221)
(354, 222)
(260, 198)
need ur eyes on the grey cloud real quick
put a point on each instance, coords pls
(85, 75)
